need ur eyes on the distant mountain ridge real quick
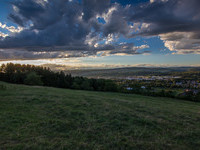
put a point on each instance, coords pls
(121, 72)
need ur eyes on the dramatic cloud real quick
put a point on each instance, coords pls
(182, 42)
(63, 25)
(125, 49)
(175, 21)
(24, 54)
(81, 28)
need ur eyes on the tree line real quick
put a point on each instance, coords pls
(37, 75)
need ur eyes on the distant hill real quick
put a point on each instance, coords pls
(35, 117)
(121, 72)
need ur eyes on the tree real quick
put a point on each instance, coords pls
(86, 85)
(110, 86)
(197, 98)
(75, 86)
(33, 79)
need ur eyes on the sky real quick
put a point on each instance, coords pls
(100, 33)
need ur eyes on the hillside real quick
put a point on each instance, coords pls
(51, 118)
(121, 72)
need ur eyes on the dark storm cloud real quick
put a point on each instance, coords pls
(23, 54)
(123, 49)
(53, 23)
(177, 23)
(58, 25)
(94, 7)
(16, 19)
(117, 22)
(73, 25)
(63, 23)
(168, 16)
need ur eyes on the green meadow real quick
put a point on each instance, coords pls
(34, 117)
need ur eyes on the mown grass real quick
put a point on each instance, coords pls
(51, 118)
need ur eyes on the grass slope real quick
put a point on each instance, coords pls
(51, 118)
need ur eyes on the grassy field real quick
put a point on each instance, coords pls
(51, 118)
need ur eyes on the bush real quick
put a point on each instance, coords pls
(33, 79)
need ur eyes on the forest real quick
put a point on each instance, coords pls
(42, 76)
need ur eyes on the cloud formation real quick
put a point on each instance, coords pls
(80, 28)
(11, 29)
(175, 21)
